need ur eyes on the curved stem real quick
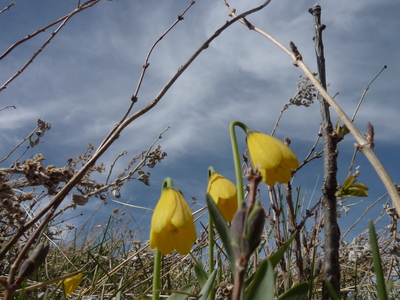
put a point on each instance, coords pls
(236, 159)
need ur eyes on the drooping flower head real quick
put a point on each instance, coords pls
(71, 283)
(172, 225)
(224, 194)
(271, 157)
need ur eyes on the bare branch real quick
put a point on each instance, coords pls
(52, 206)
(64, 21)
(146, 61)
(8, 106)
(7, 7)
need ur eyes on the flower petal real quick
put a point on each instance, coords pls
(182, 217)
(224, 194)
(220, 187)
(164, 210)
(289, 159)
(263, 150)
(271, 157)
(72, 283)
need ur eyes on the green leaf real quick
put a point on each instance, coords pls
(351, 189)
(298, 292)
(361, 186)
(201, 274)
(343, 131)
(185, 289)
(276, 257)
(380, 280)
(356, 192)
(348, 182)
(207, 287)
(263, 285)
(223, 230)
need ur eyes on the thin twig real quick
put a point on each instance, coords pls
(145, 65)
(353, 159)
(19, 144)
(7, 7)
(65, 20)
(8, 106)
(113, 164)
(85, 5)
(285, 107)
(307, 159)
(291, 215)
(362, 215)
(146, 61)
(365, 91)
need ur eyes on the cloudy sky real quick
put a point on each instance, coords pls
(83, 80)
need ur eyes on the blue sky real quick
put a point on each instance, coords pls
(83, 80)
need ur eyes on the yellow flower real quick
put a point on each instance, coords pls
(172, 225)
(272, 158)
(71, 283)
(223, 193)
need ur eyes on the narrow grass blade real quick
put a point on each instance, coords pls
(380, 280)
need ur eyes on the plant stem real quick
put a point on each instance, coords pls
(157, 275)
(211, 253)
(236, 159)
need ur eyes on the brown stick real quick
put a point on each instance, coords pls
(331, 227)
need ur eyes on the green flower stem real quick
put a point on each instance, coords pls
(211, 253)
(236, 159)
(157, 275)
(167, 183)
(211, 171)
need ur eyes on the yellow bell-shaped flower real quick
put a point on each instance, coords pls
(172, 225)
(224, 194)
(71, 283)
(272, 158)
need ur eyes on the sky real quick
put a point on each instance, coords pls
(83, 80)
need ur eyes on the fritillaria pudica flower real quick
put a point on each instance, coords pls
(172, 224)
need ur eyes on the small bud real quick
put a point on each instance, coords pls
(255, 226)
(246, 251)
(238, 225)
(26, 269)
(39, 254)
